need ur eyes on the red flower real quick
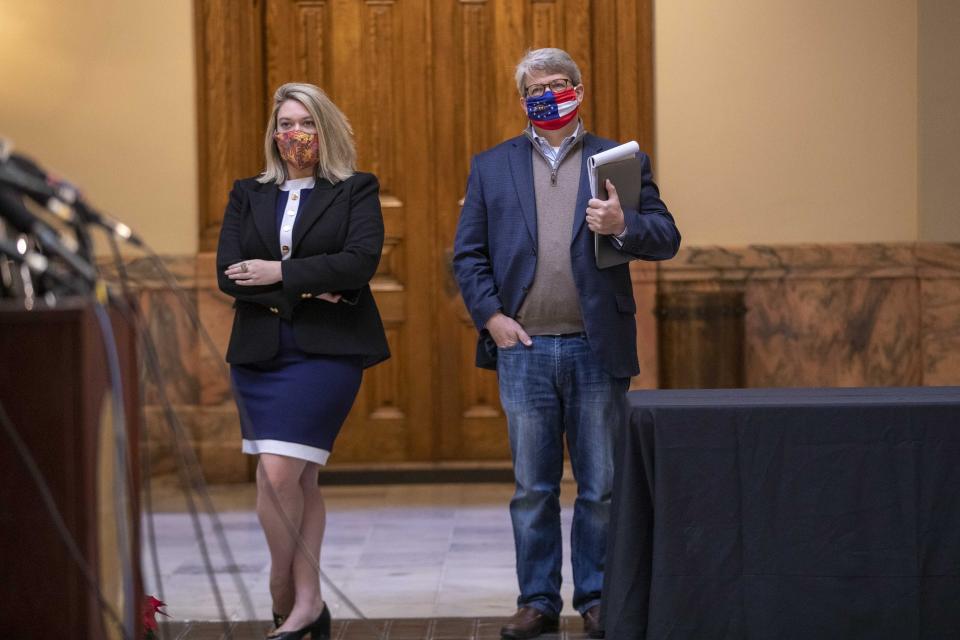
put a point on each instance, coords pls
(151, 607)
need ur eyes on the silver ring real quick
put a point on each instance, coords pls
(243, 267)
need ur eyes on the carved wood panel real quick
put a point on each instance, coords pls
(426, 84)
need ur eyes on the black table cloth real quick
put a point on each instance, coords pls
(786, 513)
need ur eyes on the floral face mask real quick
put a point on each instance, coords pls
(299, 148)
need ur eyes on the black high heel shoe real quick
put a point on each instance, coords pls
(278, 620)
(319, 629)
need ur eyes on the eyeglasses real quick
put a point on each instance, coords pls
(556, 86)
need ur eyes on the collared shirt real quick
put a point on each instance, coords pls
(553, 154)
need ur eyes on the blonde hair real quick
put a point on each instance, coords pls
(338, 156)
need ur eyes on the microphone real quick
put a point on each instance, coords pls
(59, 196)
(13, 211)
(38, 191)
(37, 263)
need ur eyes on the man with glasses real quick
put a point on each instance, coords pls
(560, 332)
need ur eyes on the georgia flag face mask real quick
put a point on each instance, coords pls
(553, 110)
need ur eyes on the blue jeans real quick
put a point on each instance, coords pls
(552, 388)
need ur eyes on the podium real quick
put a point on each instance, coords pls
(55, 387)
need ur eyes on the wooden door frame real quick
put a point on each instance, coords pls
(231, 103)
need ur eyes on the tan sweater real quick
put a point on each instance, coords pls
(552, 306)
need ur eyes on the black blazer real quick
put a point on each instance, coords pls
(337, 241)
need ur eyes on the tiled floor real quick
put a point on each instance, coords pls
(402, 629)
(427, 552)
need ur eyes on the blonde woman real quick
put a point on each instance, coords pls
(298, 247)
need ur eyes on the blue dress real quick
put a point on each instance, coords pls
(295, 403)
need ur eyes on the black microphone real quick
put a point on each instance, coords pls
(13, 211)
(37, 263)
(41, 193)
(59, 196)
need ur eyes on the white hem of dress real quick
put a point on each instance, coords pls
(289, 449)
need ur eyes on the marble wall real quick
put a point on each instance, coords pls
(816, 315)
(190, 419)
(837, 315)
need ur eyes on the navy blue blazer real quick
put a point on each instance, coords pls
(495, 251)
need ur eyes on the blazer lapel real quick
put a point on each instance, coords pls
(521, 167)
(591, 146)
(264, 206)
(320, 199)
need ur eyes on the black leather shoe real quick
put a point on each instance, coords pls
(528, 622)
(592, 625)
(319, 629)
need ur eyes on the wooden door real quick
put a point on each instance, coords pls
(426, 84)
(369, 58)
(481, 41)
